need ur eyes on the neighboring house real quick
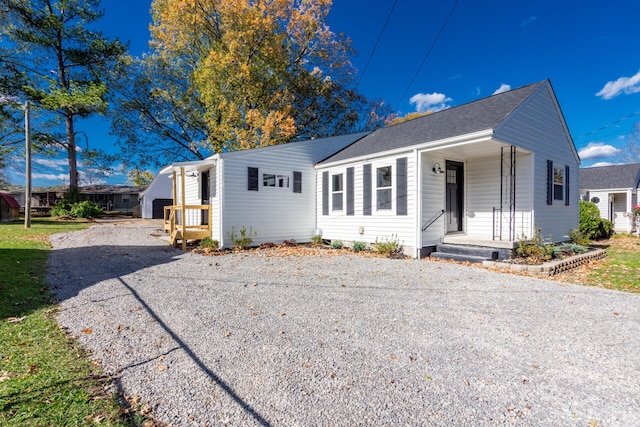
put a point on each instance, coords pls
(121, 198)
(157, 195)
(485, 173)
(270, 190)
(613, 189)
(9, 208)
(41, 200)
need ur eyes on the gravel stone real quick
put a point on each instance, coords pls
(256, 339)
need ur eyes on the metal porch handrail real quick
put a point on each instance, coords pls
(433, 220)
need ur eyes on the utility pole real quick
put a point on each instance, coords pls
(27, 190)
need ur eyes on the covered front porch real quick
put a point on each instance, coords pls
(477, 195)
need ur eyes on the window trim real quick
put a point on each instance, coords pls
(387, 188)
(337, 193)
(558, 183)
(276, 177)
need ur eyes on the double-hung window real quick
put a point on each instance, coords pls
(337, 192)
(383, 188)
(558, 184)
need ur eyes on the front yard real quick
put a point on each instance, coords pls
(620, 270)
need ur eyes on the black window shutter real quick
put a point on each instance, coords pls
(401, 186)
(325, 193)
(566, 185)
(253, 179)
(366, 189)
(350, 189)
(297, 182)
(549, 182)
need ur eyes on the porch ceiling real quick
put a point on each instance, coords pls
(465, 151)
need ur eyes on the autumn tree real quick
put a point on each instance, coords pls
(265, 71)
(51, 56)
(140, 177)
(156, 115)
(394, 119)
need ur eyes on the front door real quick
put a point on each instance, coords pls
(455, 196)
(204, 195)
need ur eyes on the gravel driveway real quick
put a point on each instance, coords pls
(261, 339)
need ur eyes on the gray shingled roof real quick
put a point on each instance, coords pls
(610, 177)
(483, 114)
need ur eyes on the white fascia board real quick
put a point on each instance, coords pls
(469, 138)
(607, 190)
(195, 165)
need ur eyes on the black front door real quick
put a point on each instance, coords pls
(204, 195)
(455, 196)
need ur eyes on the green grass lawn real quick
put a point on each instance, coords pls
(621, 269)
(45, 378)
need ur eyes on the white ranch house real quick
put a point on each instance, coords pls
(485, 174)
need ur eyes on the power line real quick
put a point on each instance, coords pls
(375, 46)
(614, 123)
(435, 40)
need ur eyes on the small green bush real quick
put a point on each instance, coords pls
(244, 240)
(535, 250)
(578, 238)
(336, 244)
(388, 246)
(568, 249)
(316, 240)
(85, 209)
(210, 243)
(359, 246)
(592, 226)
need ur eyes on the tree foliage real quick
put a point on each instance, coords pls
(11, 134)
(264, 71)
(140, 177)
(631, 150)
(156, 114)
(50, 56)
(394, 119)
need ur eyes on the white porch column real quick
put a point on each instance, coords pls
(628, 209)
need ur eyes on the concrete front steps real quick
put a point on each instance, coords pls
(470, 253)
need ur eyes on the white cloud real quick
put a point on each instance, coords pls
(626, 85)
(50, 176)
(57, 164)
(597, 150)
(503, 88)
(595, 165)
(430, 101)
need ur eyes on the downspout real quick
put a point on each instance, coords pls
(220, 183)
(418, 204)
(628, 209)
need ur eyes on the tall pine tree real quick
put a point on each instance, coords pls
(50, 55)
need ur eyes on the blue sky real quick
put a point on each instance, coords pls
(589, 51)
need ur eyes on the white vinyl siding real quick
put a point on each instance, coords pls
(275, 213)
(433, 201)
(537, 127)
(382, 224)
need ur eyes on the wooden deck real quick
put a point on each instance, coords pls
(187, 222)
